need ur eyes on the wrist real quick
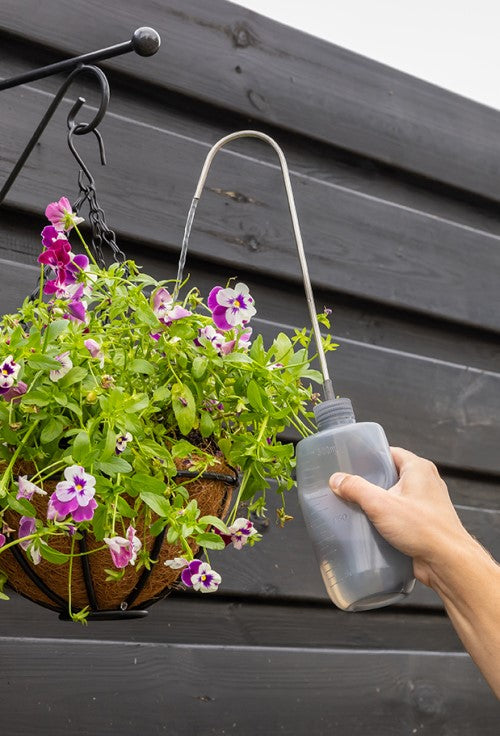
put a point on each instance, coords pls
(453, 565)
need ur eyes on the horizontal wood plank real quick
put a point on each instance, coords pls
(357, 244)
(190, 618)
(234, 58)
(96, 686)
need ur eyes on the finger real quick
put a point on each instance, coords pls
(403, 458)
(370, 497)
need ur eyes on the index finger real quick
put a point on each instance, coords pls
(403, 459)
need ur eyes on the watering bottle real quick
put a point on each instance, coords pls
(360, 569)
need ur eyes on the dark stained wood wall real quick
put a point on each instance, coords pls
(397, 185)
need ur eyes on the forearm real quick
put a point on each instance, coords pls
(467, 579)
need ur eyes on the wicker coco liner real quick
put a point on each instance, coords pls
(213, 497)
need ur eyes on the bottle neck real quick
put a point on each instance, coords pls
(334, 413)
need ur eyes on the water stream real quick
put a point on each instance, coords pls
(185, 243)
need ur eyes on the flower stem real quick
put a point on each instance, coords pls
(87, 249)
(70, 575)
(8, 472)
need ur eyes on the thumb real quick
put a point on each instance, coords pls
(370, 497)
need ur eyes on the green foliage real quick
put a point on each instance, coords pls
(176, 401)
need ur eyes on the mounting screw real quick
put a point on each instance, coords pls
(146, 41)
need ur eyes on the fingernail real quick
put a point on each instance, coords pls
(336, 480)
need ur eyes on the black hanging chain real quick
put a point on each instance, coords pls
(101, 234)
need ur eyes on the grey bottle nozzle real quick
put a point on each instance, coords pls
(333, 413)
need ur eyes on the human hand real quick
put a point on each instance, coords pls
(416, 515)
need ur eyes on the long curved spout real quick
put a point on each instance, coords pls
(327, 386)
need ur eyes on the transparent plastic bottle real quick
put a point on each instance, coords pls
(359, 568)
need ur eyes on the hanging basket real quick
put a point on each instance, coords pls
(47, 583)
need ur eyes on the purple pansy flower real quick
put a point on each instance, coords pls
(9, 371)
(75, 495)
(124, 550)
(77, 311)
(15, 392)
(27, 526)
(243, 340)
(52, 238)
(27, 489)
(61, 215)
(200, 576)
(3, 539)
(57, 257)
(209, 336)
(231, 307)
(164, 309)
(239, 533)
(95, 350)
(122, 441)
(66, 366)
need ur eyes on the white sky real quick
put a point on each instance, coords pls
(452, 43)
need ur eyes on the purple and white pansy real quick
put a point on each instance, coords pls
(66, 366)
(239, 533)
(197, 574)
(164, 309)
(27, 489)
(27, 527)
(9, 370)
(61, 215)
(231, 307)
(122, 441)
(74, 496)
(124, 550)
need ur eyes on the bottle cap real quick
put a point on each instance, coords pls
(333, 413)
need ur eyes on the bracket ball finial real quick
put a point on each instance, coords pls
(146, 41)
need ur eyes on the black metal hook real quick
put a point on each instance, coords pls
(73, 129)
(77, 128)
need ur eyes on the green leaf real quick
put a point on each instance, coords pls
(142, 482)
(42, 362)
(313, 375)
(172, 535)
(3, 580)
(136, 404)
(254, 396)
(139, 365)
(55, 329)
(21, 505)
(99, 522)
(124, 508)
(75, 375)
(51, 430)
(207, 425)
(109, 446)
(37, 397)
(214, 521)
(199, 367)
(115, 465)
(257, 351)
(81, 447)
(238, 358)
(146, 315)
(53, 555)
(210, 540)
(159, 504)
(161, 394)
(157, 527)
(184, 407)
(282, 347)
